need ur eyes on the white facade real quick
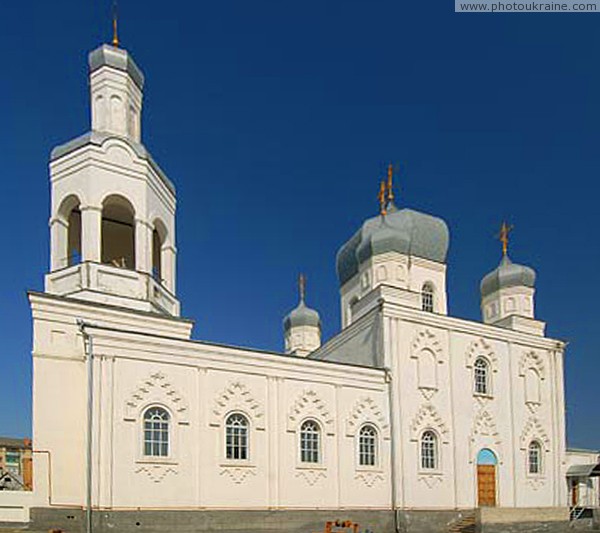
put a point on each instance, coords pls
(396, 408)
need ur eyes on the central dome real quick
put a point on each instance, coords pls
(404, 231)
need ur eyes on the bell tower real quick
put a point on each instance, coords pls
(112, 222)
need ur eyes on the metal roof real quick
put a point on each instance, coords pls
(11, 442)
(591, 470)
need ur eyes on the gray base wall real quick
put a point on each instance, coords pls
(225, 521)
(279, 521)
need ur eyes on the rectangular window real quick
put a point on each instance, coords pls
(156, 438)
(13, 462)
(427, 301)
(309, 447)
(236, 445)
(367, 450)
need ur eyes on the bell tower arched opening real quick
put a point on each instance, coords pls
(66, 234)
(118, 232)
(159, 258)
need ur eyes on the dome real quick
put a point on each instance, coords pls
(301, 316)
(405, 231)
(508, 274)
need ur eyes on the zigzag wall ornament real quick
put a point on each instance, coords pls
(366, 410)
(534, 430)
(480, 347)
(237, 397)
(156, 473)
(369, 478)
(238, 474)
(309, 404)
(156, 388)
(532, 359)
(425, 339)
(431, 480)
(484, 434)
(428, 418)
(311, 476)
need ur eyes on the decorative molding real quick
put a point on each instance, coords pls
(480, 347)
(534, 430)
(370, 478)
(431, 480)
(532, 359)
(156, 388)
(427, 392)
(238, 474)
(308, 405)
(428, 418)
(536, 483)
(425, 339)
(366, 410)
(156, 473)
(484, 434)
(237, 397)
(311, 476)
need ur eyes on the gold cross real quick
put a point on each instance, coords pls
(382, 200)
(115, 41)
(390, 185)
(505, 229)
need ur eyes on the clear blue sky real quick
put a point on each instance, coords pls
(275, 120)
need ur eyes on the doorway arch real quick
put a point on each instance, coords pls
(487, 464)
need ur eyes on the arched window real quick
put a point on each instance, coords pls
(481, 376)
(156, 432)
(427, 297)
(310, 442)
(429, 459)
(118, 232)
(74, 237)
(367, 446)
(236, 437)
(535, 458)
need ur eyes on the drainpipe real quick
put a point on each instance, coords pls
(388, 380)
(89, 349)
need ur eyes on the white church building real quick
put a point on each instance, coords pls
(408, 419)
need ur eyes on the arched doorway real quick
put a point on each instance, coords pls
(486, 478)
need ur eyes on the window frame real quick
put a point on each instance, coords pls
(169, 430)
(10, 465)
(320, 444)
(428, 297)
(535, 444)
(435, 451)
(247, 444)
(488, 377)
(375, 447)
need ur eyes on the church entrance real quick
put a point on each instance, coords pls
(486, 478)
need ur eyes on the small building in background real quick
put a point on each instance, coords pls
(583, 476)
(15, 464)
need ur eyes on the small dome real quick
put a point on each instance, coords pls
(302, 316)
(508, 274)
(405, 231)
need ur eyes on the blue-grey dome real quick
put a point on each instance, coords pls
(508, 274)
(301, 316)
(405, 231)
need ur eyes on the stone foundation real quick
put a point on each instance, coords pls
(499, 520)
(517, 520)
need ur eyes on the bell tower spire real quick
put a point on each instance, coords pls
(115, 39)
